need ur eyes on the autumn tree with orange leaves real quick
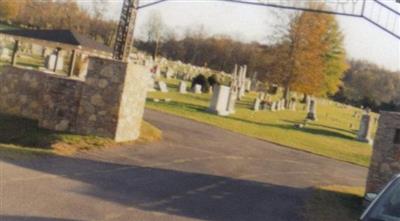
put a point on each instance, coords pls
(310, 59)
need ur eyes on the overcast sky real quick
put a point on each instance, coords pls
(252, 23)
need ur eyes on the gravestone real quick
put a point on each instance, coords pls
(256, 105)
(36, 49)
(50, 62)
(197, 89)
(292, 105)
(162, 86)
(5, 53)
(278, 106)
(274, 106)
(283, 104)
(248, 85)
(182, 87)
(232, 101)
(312, 113)
(220, 100)
(210, 90)
(364, 133)
(261, 95)
(169, 74)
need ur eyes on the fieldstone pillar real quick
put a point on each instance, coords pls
(385, 162)
(113, 98)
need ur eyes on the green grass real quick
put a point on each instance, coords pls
(330, 136)
(19, 135)
(333, 203)
(6, 27)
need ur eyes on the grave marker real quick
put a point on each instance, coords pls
(256, 105)
(197, 89)
(312, 113)
(162, 86)
(220, 100)
(182, 87)
(364, 133)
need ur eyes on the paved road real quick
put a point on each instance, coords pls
(198, 172)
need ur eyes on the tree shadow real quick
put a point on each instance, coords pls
(25, 132)
(187, 194)
(325, 126)
(321, 132)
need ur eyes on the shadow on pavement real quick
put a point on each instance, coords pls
(31, 218)
(167, 191)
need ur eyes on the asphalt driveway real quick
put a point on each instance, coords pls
(197, 172)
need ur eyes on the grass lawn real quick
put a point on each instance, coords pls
(330, 136)
(23, 135)
(6, 27)
(334, 203)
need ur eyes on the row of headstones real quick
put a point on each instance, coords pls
(272, 106)
(223, 103)
(50, 60)
(182, 88)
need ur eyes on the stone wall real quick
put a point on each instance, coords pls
(20, 92)
(109, 102)
(385, 161)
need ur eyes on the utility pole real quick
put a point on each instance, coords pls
(126, 27)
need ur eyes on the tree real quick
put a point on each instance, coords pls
(334, 58)
(154, 29)
(66, 14)
(302, 57)
(9, 9)
(369, 85)
(310, 57)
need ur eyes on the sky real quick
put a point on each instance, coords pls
(252, 23)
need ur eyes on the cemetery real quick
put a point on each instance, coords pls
(68, 99)
(329, 135)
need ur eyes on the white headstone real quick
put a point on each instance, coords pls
(256, 106)
(283, 101)
(37, 49)
(248, 85)
(182, 87)
(274, 106)
(197, 89)
(220, 100)
(5, 53)
(261, 95)
(232, 101)
(51, 62)
(292, 105)
(162, 86)
(169, 74)
(210, 90)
